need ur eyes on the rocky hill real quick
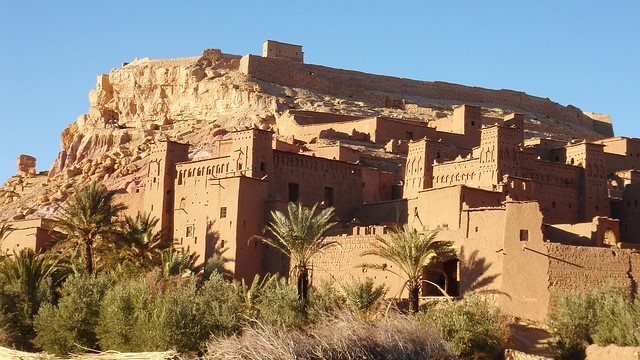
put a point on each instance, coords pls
(198, 100)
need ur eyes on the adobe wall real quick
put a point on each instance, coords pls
(480, 238)
(221, 212)
(367, 87)
(628, 211)
(389, 129)
(621, 153)
(341, 265)
(589, 268)
(386, 212)
(313, 176)
(27, 234)
(358, 129)
(457, 172)
(524, 279)
(276, 49)
(335, 152)
(376, 185)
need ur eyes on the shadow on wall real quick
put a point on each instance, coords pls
(215, 249)
(473, 275)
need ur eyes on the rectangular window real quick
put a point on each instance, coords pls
(188, 232)
(223, 212)
(524, 235)
(328, 196)
(294, 192)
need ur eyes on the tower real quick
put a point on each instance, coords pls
(499, 154)
(419, 168)
(159, 183)
(595, 198)
(251, 152)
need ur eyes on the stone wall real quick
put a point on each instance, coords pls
(368, 87)
(591, 268)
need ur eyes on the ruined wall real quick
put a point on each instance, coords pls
(591, 268)
(367, 87)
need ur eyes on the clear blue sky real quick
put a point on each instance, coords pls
(585, 53)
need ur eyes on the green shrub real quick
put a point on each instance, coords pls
(324, 301)
(122, 316)
(571, 322)
(604, 316)
(185, 317)
(174, 321)
(618, 319)
(473, 327)
(279, 306)
(220, 306)
(60, 329)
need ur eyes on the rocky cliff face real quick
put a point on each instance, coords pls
(194, 100)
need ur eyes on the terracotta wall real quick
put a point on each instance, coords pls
(352, 83)
(27, 234)
(340, 265)
(314, 176)
(591, 267)
(525, 280)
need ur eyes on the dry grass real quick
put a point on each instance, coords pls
(343, 337)
(6, 353)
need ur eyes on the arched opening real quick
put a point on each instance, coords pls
(443, 276)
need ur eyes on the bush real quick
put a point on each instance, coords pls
(603, 316)
(571, 322)
(338, 337)
(473, 327)
(60, 329)
(618, 319)
(279, 306)
(364, 298)
(183, 319)
(122, 317)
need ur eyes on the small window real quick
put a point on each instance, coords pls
(294, 192)
(524, 235)
(262, 166)
(328, 196)
(223, 212)
(188, 232)
(553, 204)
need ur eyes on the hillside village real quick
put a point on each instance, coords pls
(537, 197)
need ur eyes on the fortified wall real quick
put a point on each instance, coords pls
(370, 87)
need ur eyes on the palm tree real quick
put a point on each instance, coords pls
(411, 251)
(26, 278)
(179, 263)
(139, 242)
(88, 217)
(300, 236)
